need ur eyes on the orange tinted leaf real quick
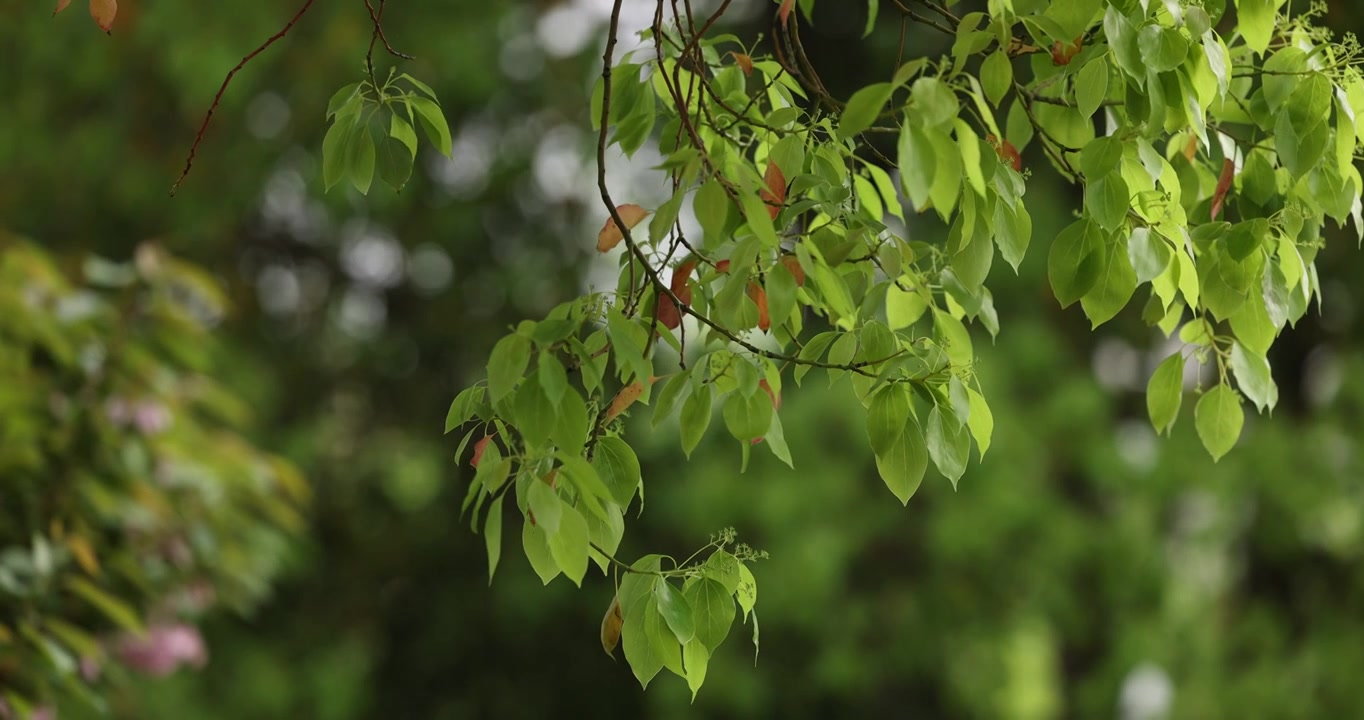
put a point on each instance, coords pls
(552, 479)
(610, 235)
(624, 399)
(759, 297)
(1223, 185)
(722, 266)
(668, 314)
(784, 11)
(479, 447)
(792, 264)
(61, 5)
(680, 285)
(744, 62)
(1009, 154)
(776, 399)
(103, 12)
(775, 194)
(1191, 148)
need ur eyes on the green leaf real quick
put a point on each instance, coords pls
(1101, 158)
(722, 567)
(1091, 86)
(953, 337)
(1253, 377)
(644, 661)
(1122, 37)
(1108, 200)
(536, 545)
(981, 422)
(553, 379)
(492, 535)
(1114, 285)
(996, 76)
(675, 609)
(335, 149)
(711, 206)
(813, 351)
(695, 659)
(506, 365)
(1149, 254)
(1247, 237)
(569, 546)
(902, 308)
(947, 176)
(672, 391)
(1162, 49)
(1013, 231)
(933, 101)
(862, 109)
(464, 406)
(637, 588)
(1219, 419)
(347, 98)
(618, 467)
(1017, 126)
(546, 505)
(1256, 22)
(695, 417)
(1075, 260)
(917, 163)
(904, 462)
(746, 592)
(570, 423)
(886, 417)
(748, 417)
(948, 444)
(1165, 391)
(606, 534)
(535, 416)
(433, 123)
(712, 609)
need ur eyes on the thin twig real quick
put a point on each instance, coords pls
(208, 117)
(379, 30)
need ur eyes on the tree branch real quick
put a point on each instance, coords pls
(208, 117)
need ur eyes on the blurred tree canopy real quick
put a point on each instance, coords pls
(1085, 568)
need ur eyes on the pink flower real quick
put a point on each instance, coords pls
(163, 649)
(151, 417)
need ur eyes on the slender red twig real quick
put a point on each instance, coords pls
(379, 31)
(208, 117)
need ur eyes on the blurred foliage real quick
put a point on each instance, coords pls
(130, 500)
(1083, 568)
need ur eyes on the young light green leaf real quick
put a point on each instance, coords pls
(546, 505)
(1074, 261)
(862, 108)
(506, 365)
(536, 545)
(748, 417)
(1114, 285)
(1253, 377)
(1165, 391)
(695, 417)
(1148, 253)
(695, 659)
(747, 591)
(464, 406)
(1091, 85)
(1219, 419)
(1162, 49)
(569, 545)
(981, 422)
(644, 661)
(433, 123)
(996, 76)
(903, 464)
(618, 467)
(886, 417)
(492, 535)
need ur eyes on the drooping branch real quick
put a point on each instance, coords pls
(208, 117)
(376, 17)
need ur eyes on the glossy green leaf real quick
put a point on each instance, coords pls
(996, 76)
(506, 365)
(1253, 377)
(618, 467)
(862, 108)
(1219, 419)
(903, 463)
(1165, 391)
(675, 609)
(713, 611)
(948, 444)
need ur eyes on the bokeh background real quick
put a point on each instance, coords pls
(1086, 569)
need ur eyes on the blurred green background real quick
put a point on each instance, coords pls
(1086, 569)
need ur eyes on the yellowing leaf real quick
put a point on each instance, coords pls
(103, 12)
(61, 5)
(610, 235)
(84, 553)
(744, 62)
(624, 399)
(610, 627)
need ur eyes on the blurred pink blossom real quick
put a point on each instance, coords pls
(151, 417)
(163, 649)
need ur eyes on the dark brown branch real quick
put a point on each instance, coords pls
(208, 117)
(379, 34)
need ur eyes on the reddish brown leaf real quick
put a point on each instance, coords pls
(680, 285)
(784, 11)
(552, 479)
(668, 314)
(1063, 53)
(775, 194)
(624, 399)
(776, 399)
(1223, 185)
(610, 627)
(1009, 153)
(744, 62)
(479, 447)
(792, 264)
(103, 12)
(610, 235)
(722, 266)
(759, 298)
